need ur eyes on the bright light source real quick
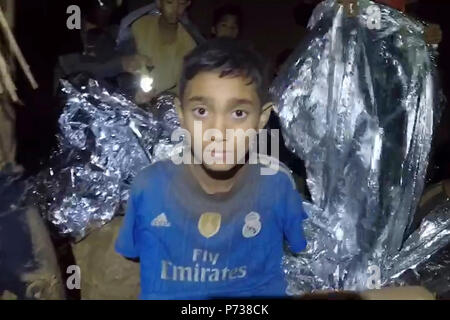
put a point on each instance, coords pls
(146, 84)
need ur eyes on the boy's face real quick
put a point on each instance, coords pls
(227, 27)
(173, 10)
(221, 104)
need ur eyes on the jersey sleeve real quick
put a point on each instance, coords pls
(126, 240)
(294, 215)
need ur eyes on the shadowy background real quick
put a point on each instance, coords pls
(271, 26)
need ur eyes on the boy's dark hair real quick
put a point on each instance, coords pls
(231, 10)
(230, 58)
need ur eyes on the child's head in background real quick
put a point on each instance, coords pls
(172, 10)
(227, 22)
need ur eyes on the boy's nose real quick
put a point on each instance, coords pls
(221, 126)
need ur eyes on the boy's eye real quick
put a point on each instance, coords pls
(200, 112)
(239, 114)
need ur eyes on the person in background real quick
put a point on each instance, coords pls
(125, 36)
(164, 41)
(227, 22)
(99, 57)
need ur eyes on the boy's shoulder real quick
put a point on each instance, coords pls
(275, 173)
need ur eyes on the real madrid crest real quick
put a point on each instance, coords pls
(209, 224)
(252, 225)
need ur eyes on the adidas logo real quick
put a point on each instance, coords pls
(161, 221)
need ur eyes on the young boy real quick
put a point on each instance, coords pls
(214, 229)
(227, 22)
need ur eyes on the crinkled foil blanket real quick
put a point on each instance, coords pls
(358, 104)
(104, 141)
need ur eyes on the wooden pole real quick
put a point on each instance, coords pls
(7, 80)
(16, 50)
(10, 12)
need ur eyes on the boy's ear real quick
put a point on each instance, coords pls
(265, 114)
(177, 103)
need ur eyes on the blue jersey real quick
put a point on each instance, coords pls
(192, 245)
